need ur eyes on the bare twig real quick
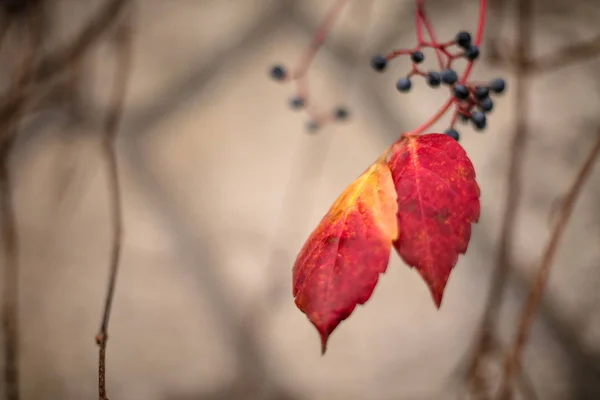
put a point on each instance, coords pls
(123, 41)
(553, 61)
(513, 197)
(10, 301)
(56, 62)
(512, 362)
(567, 56)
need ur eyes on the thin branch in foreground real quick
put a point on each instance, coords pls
(123, 42)
(8, 225)
(512, 362)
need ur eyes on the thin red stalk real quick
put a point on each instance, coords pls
(301, 73)
(430, 31)
(419, 25)
(319, 38)
(478, 37)
(434, 118)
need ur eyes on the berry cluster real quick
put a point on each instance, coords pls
(472, 101)
(299, 102)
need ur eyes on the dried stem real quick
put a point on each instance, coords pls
(123, 42)
(513, 195)
(512, 362)
(10, 300)
(56, 62)
(566, 56)
(555, 60)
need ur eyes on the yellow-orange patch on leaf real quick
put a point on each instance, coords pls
(340, 263)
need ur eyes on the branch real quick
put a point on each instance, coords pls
(123, 41)
(513, 196)
(566, 56)
(51, 65)
(512, 362)
(554, 61)
(10, 300)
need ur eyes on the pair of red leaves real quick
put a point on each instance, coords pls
(422, 201)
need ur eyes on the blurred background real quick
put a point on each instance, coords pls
(222, 184)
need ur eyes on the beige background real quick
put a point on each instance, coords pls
(222, 185)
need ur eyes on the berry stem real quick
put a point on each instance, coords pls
(301, 73)
(430, 31)
(319, 37)
(478, 37)
(434, 118)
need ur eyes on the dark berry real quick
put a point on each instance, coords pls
(297, 102)
(417, 57)
(379, 63)
(312, 126)
(472, 52)
(453, 133)
(278, 72)
(449, 76)
(481, 92)
(463, 39)
(478, 119)
(403, 84)
(341, 114)
(461, 92)
(434, 79)
(498, 85)
(486, 105)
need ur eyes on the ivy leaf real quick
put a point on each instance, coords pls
(339, 265)
(438, 199)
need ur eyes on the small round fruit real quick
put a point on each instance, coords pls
(472, 52)
(278, 72)
(498, 85)
(341, 114)
(453, 133)
(486, 105)
(449, 76)
(434, 79)
(461, 92)
(479, 120)
(417, 57)
(403, 85)
(463, 39)
(379, 63)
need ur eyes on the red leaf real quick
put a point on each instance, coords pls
(438, 199)
(340, 263)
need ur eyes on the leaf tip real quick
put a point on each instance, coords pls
(437, 298)
(437, 292)
(324, 337)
